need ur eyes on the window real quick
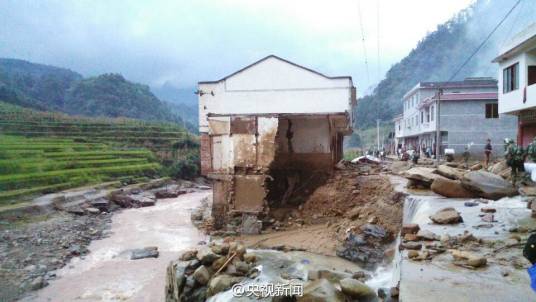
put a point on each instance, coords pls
(531, 75)
(492, 111)
(432, 112)
(511, 78)
(422, 117)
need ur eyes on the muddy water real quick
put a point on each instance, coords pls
(107, 273)
(440, 279)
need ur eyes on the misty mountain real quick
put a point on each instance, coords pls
(442, 52)
(182, 101)
(50, 88)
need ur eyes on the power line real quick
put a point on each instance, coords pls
(363, 40)
(506, 38)
(484, 42)
(378, 40)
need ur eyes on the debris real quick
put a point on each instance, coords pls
(356, 289)
(146, 252)
(488, 210)
(488, 185)
(410, 228)
(446, 216)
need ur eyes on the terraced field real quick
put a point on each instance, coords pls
(41, 165)
(42, 152)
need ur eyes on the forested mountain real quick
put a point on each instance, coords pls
(442, 52)
(51, 88)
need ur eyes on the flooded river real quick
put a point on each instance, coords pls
(108, 274)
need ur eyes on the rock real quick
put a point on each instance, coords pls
(424, 175)
(410, 245)
(206, 255)
(373, 230)
(166, 194)
(451, 188)
(221, 283)
(250, 258)
(450, 172)
(242, 268)
(488, 218)
(188, 255)
(488, 210)
(394, 292)
(201, 275)
(469, 258)
(218, 263)
(412, 254)
(426, 235)
(499, 167)
(321, 290)
(38, 283)
(145, 202)
(527, 190)
(175, 280)
(476, 167)
(124, 201)
(250, 224)
(355, 248)
(411, 237)
(410, 228)
(146, 252)
(356, 289)
(76, 210)
(93, 211)
(353, 213)
(101, 203)
(488, 185)
(446, 216)
(330, 275)
(470, 204)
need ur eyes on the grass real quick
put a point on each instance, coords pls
(42, 152)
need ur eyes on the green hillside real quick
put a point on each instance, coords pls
(50, 88)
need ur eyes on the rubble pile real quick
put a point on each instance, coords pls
(208, 270)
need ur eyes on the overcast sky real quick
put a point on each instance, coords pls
(183, 42)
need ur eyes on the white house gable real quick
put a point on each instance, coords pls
(274, 73)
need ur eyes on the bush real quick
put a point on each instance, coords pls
(186, 168)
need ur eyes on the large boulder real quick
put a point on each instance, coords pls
(451, 188)
(499, 167)
(450, 172)
(221, 283)
(446, 216)
(356, 289)
(321, 290)
(488, 185)
(423, 175)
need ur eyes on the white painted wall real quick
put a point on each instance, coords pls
(274, 86)
(310, 135)
(512, 101)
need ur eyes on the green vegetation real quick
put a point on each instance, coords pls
(47, 169)
(438, 55)
(51, 88)
(42, 152)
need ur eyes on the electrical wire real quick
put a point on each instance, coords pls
(363, 40)
(484, 42)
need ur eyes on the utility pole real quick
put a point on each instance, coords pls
(378, 132)
(438, 123)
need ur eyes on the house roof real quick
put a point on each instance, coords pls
(460, 97)
(477, 82)
(524, 40)
(278, 58)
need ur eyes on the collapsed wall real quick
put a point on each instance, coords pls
(258, 161)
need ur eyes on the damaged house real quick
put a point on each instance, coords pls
(266, 129)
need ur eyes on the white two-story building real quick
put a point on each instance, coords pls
(517, 82)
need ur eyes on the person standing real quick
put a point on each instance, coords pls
(487, 151)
